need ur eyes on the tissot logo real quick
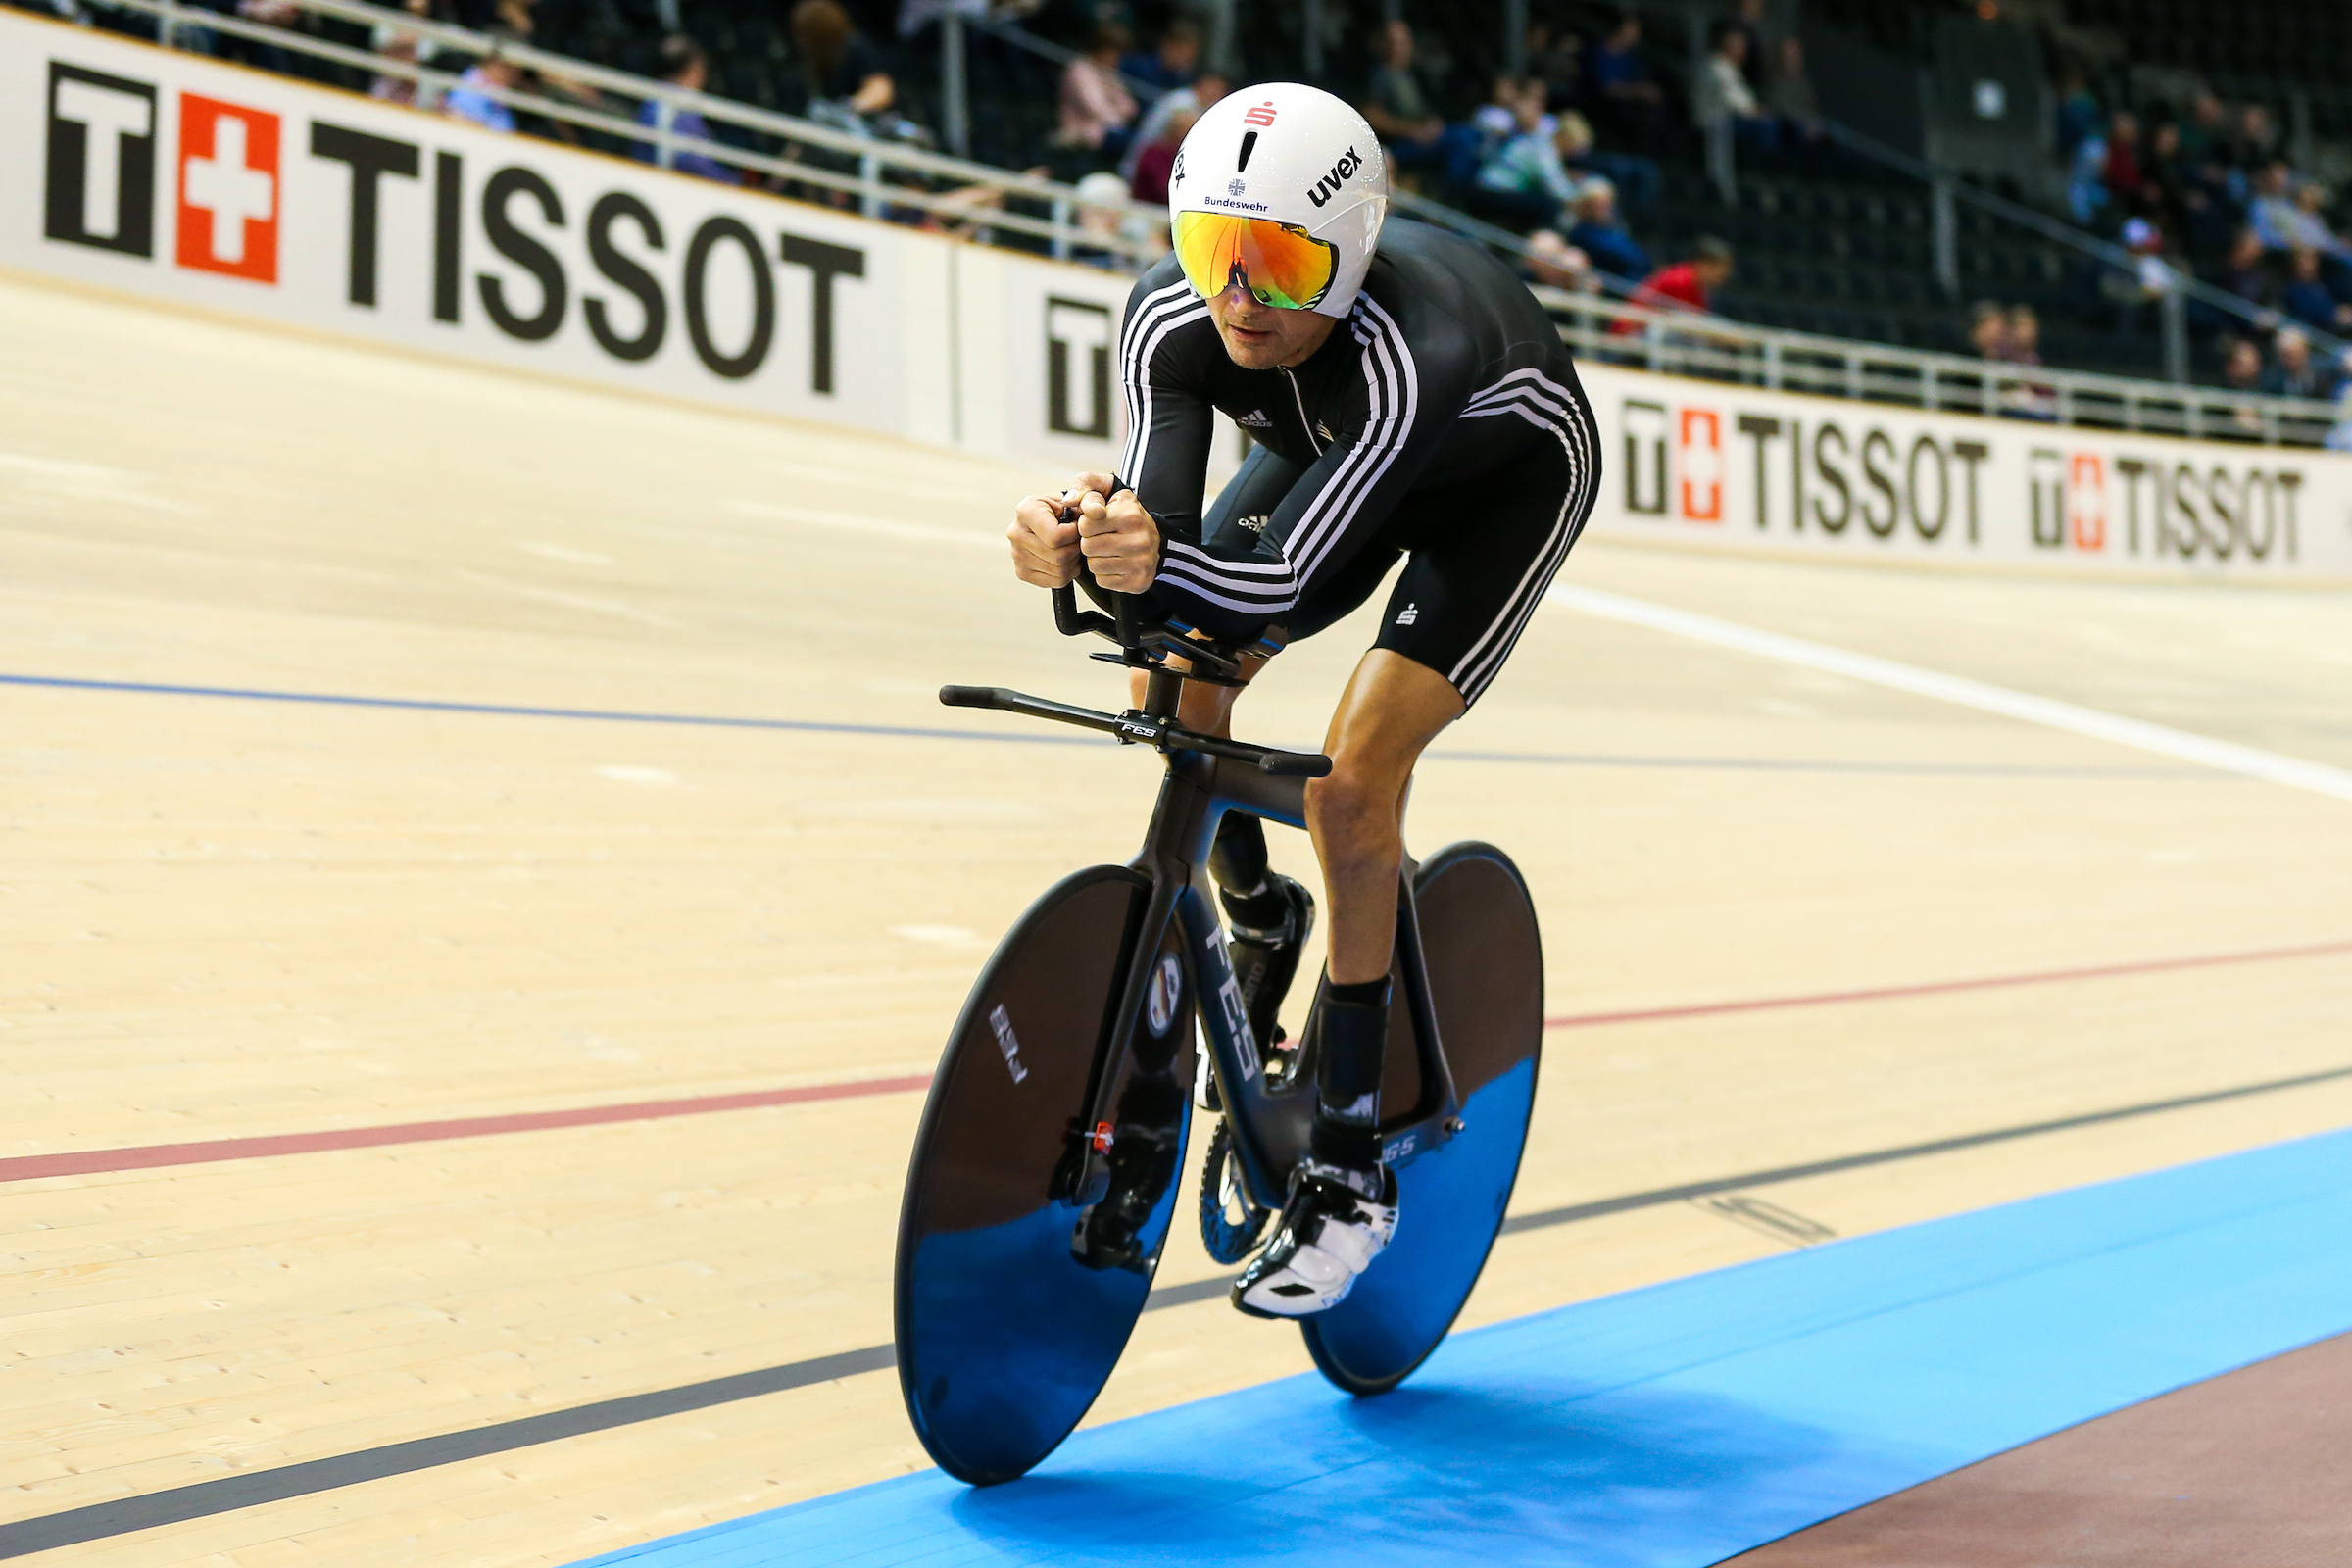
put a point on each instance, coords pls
(229, 185)
(99, 178)
(1078, 335)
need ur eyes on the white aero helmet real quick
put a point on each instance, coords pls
(1282, 189)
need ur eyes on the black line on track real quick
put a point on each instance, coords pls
(101, 1520)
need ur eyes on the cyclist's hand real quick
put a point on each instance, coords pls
(1045, 549)
(1121, 540)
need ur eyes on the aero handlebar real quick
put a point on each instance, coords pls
(1147, 646)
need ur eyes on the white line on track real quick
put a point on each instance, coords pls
(2226, 755)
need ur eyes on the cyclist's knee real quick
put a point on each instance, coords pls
(1356, 805)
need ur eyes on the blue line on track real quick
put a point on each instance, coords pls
(518, 711)
(1670, 1427)
(1762, 764)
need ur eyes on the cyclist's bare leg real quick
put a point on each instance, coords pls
(1392, 710)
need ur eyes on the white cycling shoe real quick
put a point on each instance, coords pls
(1329, 1234)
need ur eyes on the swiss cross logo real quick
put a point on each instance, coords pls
(2086, 501)
(1702, 443)
(229, 188)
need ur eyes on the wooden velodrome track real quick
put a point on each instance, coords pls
(238, 918)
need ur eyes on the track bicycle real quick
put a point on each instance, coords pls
(1043, 1178)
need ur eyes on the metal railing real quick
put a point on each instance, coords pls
(894, 180)
(878, 176)
(1686, 343)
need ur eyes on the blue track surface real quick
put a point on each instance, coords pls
(1674, 1424)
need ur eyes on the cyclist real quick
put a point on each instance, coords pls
(1408, 397)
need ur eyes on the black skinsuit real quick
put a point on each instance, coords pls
(1441, 419)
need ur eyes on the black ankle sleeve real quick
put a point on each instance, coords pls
(1238, 859)
(1365, 994)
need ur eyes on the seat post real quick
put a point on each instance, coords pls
(1163, 690)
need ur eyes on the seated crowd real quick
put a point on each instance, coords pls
(2207, 190)
(1565, 152)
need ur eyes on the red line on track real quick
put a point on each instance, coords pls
(104, 1161)
(97, 1161)
(1937, 988)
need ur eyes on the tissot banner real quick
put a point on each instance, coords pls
(184, 179)
(1701, 463)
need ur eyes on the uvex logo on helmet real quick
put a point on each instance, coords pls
(1329, 186)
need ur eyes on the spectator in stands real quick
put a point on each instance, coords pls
(1098, 111)
(470, 99)
(2257, 141)
(838, 66)
(2205, 135)
(1207, 88)
(1792, 99)
(1989, 330)
(2026, 399)
(2272, 212)
(683, 66)
(2025, 335)
(1748, 20)
(2077, 116)
(2126, 181)
(1690, 285)
(406, 45)
(1725, 97)
(2292, 372)
(2245, 275)
(1524, 183)
(2163, 179)
(1636, 177)
(1601, 236)
(2306, 297)
(1154, 164)
(1103, 219)
(1497, 119)
(2310, 222)
(2126, 290)
(1625, 95)
(2087, 179)
(2243, 272)
(1173, 63)
(2241, 371)
(1397, 108)
(1556, 263)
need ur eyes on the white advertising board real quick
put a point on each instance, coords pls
(1714, 465)
(186, 180)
